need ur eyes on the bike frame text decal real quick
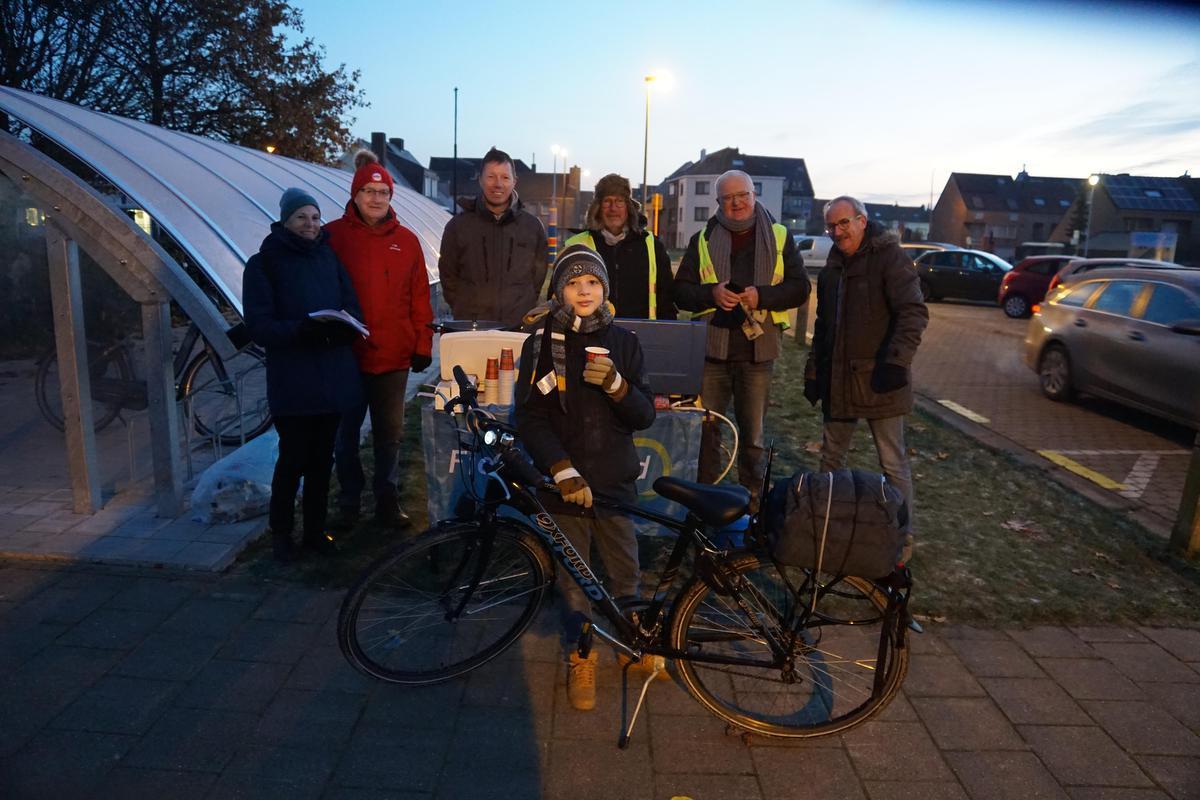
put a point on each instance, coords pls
(569, 556)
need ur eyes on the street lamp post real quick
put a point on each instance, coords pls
(1087, 233)
(649, 79)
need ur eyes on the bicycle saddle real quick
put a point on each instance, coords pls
(715, 505)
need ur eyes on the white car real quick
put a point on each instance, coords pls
(814, 249)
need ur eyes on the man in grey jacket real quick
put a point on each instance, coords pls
(493, 259)
(870, 317)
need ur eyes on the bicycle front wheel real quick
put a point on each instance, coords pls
(228, 398)
(844, 663)
(110, 373)
(444, 604)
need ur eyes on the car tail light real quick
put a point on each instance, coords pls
(1036, 308)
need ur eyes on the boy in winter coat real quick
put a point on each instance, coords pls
(386, 264)
(312, 378)
(576, 413)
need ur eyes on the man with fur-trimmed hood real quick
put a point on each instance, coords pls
(639, 268)
(870, 317)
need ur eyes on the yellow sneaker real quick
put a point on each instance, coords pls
(581, 681)
(644, 667)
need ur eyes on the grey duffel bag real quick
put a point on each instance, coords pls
(847, 522)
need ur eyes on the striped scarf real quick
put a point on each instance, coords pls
(562, 318)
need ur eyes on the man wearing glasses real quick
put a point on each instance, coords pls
(639, 268)
(493, 258)
(742, 270)
(387, 267)
(870, 317)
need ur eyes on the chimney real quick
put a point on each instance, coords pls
(379, 146)
(399, 143)
(703, 153)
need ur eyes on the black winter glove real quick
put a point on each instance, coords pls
(340, 334)
(313, 333)
(812, 390)
(888, 378)
(419, 362)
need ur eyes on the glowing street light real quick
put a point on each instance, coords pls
(270, 148)
(1087, 234)
(663, 81)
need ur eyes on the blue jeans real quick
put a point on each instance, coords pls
(748, 384)
(888, 434)
(385, 400)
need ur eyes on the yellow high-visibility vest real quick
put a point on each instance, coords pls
(587, 240)
(709, 275)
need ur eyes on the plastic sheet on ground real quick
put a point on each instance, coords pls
(238, 486)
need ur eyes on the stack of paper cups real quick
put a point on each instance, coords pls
(507, 377)
(491, 388)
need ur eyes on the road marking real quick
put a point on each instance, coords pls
(1139, 477)
(1125, 452)
(964, 411)
(1082, 471)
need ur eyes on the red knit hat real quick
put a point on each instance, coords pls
(367, 169)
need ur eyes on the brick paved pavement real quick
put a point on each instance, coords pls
(143, 683)
(972, 355)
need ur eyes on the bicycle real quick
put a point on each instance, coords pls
(227, 401)
(772, 650)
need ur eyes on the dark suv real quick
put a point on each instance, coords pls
(1028, 282)
(969, 274)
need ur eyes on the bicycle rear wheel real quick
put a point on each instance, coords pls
(228, 398)
(107, 368)
(845, 665)
(414, 617)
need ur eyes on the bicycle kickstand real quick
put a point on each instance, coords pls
(660, 664)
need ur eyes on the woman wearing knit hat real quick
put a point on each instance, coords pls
(386, 264)
(576, 412)
(312, 377)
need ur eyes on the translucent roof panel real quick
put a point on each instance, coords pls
(217, 200)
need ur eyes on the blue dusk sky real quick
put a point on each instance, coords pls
(882, 98)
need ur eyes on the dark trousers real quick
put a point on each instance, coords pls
(748, 385)
(305, 450)
(613, 537)
(385, 401)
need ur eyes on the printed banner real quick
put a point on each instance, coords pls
(671, 446)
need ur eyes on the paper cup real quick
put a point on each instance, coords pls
(493, 369)
(595, 352)
(506, 358)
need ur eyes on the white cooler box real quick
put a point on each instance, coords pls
(471, 350)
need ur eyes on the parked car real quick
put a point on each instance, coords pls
(1028, 282)
(969, 274)
(814, 249)
(1130, 334)
(1081, 266)
(915, 249)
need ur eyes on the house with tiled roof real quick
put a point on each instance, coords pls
(781, 183)
(1147, 216)
(998, 212)
(911, 223)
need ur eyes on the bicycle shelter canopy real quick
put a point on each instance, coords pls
(215, 200)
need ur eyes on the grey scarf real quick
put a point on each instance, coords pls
(720, 248)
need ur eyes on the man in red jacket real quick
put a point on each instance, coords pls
(387, 268)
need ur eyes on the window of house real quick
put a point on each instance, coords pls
(701, 187)
(1036, 232)
(701, 214)
(977, 201)
(1064, 203)
(1118, 297)
(1169, 305)
(758, 187)
(1011, 203)
(1153, 193)
(671, 216)
(671, 189)
(1039, 201)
